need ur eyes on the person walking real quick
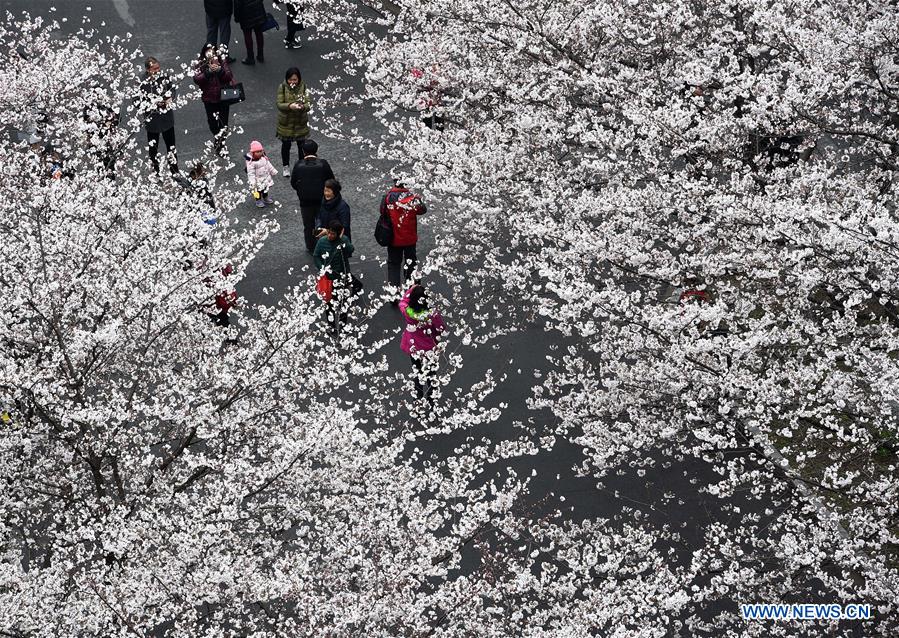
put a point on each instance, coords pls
(293, 115)
(259, 174)
(218, 23)
(331, 258)
(402, 207)
(157, 94)
(333, 208)
(213, 73)
(308, 180)
(250, 14)
(423, 327)
(294, 25)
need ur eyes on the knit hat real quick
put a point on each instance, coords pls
(310, 147)
(255, 146)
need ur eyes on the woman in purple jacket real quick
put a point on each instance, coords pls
(212, 73)
(423, 327)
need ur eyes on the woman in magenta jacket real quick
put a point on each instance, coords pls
(423, 327)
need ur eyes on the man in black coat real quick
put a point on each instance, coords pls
(308, 180)
(218, 23)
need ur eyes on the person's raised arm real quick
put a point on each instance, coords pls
(227, 76)
(437, 323)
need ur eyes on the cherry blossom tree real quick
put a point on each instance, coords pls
(166, 475)
(701, 197)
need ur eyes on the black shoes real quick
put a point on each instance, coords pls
(248, 61)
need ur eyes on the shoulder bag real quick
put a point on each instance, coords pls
(232, 94)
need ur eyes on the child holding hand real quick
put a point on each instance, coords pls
(259, 174)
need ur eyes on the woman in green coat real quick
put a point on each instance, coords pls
(293, 115)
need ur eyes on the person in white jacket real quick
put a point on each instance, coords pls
(259, 174)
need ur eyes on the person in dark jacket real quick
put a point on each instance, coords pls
(157, 94)
(250, 14)
(218, 22)
(211, 74)
(294, 25)
(308, 180)
(101, 123)
(333, 251)
(333, 208)
(332, 259)
(403, 208)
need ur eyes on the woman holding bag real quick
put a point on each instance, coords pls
(331, 257)
(212, 74)
(293, 115)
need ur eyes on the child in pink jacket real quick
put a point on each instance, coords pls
(423, 327)
(259, 174)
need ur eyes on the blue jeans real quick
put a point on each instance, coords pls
(218, 30)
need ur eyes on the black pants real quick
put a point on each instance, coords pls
(309, 213)
(341, 299)
(285, 151)
(217, 118)
(168, 137)
(423, 375)
(293, 22)
(218, 30)
(248, 42)
(221, 318)
(433, 122)
(400, 259)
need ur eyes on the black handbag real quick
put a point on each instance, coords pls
(384, 231)
(232, 94)
(270, 23)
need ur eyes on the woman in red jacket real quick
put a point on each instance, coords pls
(403, 207)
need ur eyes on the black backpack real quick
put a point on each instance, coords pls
(384, 230)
